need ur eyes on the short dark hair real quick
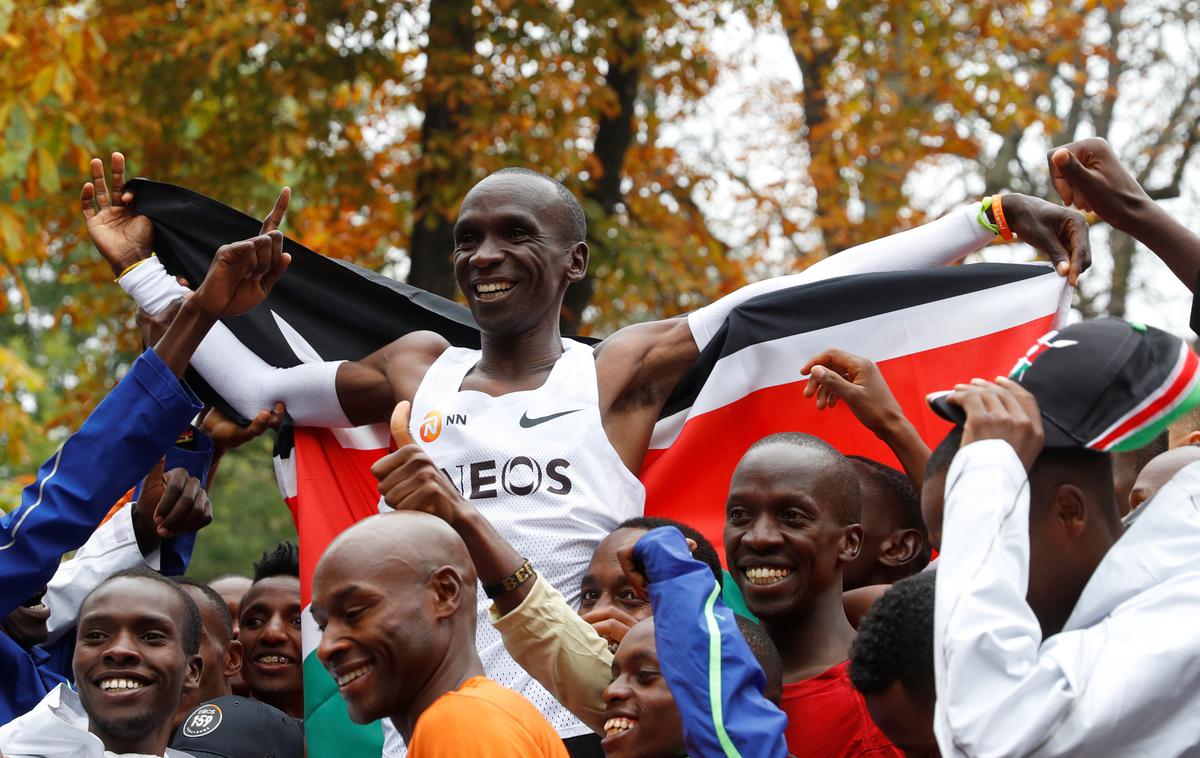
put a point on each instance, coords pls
(282, 560)
(577, 230)
(214, 601)
(939, 459)
(765, 653)
(704, 552)
(843, 470)
(895, 640)
(190, 625)
(905, 495)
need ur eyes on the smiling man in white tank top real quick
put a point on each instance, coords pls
(544, 435)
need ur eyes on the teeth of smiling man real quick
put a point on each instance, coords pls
(344, 679)
(119, 684)
(764, 575)
(618, 725)
(38, 607)
(493, 287)
(274, 659)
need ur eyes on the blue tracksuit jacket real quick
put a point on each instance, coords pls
(114, 448)
(715, 679)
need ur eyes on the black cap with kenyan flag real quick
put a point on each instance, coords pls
(1104, 384)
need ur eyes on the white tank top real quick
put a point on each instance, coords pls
(539, 466)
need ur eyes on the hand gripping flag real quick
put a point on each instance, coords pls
(925, 329)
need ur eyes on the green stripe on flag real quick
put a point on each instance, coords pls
(327, 727)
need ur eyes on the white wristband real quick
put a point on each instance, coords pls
(151, 287)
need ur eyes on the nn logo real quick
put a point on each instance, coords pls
(431, 425)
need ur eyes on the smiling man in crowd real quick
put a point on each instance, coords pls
(792, 525)
(269, 630)
(394, 596)
(136, 656)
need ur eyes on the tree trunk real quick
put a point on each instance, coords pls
(815, 56)
(614, 137)
(445, 165)
(1123, 248)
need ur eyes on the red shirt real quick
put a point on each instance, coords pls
(827, 718)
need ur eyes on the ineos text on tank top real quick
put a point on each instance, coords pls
(539, 466)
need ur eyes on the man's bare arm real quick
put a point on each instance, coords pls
(637, 369)
(368, 390)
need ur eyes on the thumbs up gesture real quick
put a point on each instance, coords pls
(409, 480)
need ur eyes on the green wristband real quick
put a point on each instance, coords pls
(983, 219)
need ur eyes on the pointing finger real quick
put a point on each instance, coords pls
(275, 218)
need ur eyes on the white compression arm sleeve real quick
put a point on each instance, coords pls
(247, 382)
(937, 243)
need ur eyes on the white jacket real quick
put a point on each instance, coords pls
(1121, 679)
(58, 728)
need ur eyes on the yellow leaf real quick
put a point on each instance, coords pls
(42, 83)
(64, 82)
(10, 234)
(48, 171)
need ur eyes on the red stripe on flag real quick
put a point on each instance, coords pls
(1177, 388)
(689, 480)
(334, 489)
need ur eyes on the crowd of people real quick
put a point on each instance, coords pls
(1023, 588)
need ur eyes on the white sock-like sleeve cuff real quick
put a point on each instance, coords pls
(151, 287)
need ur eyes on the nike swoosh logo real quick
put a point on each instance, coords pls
(529, 423)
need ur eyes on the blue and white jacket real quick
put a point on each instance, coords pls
(715, 679)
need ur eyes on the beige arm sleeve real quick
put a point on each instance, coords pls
(560, 650)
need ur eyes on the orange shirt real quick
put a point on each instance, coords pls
(481, 718)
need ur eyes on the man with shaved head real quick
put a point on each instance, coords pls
(394, 596)
(1159, 471)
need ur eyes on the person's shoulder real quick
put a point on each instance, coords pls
(481, 713)
(638, 339)
(419, 344)
(415, 351)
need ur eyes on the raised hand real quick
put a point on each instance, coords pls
(170, 504)
(121, 235)
(1088, 175)
(409, 480)
(1059, 232)
(1002, 410)
(241, 276)
(836, 374)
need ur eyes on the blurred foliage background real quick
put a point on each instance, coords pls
(704, 159)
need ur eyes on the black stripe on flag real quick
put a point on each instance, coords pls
(840, 300)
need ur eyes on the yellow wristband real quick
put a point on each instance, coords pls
(132, 266)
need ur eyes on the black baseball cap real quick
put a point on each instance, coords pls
(1104, 384)
(237, 727)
